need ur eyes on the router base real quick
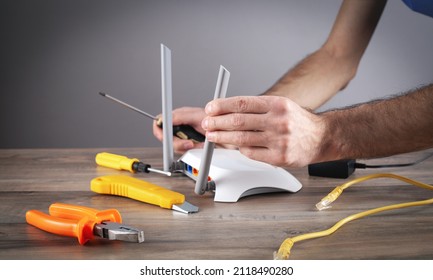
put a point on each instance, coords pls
(237, 176)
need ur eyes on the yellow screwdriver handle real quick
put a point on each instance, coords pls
(136, 189)
(116, 161)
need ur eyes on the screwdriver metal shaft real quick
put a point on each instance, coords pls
(129, 106)
(182, 131)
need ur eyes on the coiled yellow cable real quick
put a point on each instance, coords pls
(284, 250)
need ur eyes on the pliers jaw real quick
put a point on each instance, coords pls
(116, 231)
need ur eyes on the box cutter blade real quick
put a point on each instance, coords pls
(142, 191)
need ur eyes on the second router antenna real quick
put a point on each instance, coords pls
(206, 158)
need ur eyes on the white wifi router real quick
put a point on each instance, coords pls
(228, 173)
(233, 175)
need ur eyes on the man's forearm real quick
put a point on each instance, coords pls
(315, 79)
(380, 128)
(328, 70)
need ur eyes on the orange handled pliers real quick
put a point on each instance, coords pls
(84, 223)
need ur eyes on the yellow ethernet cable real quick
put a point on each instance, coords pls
(333, 195)
(284, 250)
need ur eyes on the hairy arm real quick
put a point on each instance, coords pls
(276, 130)
(328, 70)
(319, 76)
(379, 128)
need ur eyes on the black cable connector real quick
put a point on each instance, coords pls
(333, 169)
(344, 168)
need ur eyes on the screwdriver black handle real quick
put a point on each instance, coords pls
(184, 131)
(188, 132)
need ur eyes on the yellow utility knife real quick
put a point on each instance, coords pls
(142, 191)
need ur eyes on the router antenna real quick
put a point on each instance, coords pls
(167, 104)
(203, 173)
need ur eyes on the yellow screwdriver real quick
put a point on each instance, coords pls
(119, 162)
(182, 131)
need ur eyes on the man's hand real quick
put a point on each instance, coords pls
(186, 115)
(266, 128)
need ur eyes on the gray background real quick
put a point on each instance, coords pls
(56, 55)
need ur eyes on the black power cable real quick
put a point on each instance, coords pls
(345, 167)
(364, 166)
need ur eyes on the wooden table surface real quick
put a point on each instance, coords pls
(252, 228)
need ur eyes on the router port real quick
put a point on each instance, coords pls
(194, 172)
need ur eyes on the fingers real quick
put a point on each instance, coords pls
(238, 138)
(238, 104)
(192, 116)
(188, 116)
(271, 129)
(237, 113)
(236, 121)
(179, 145)
(157, 131)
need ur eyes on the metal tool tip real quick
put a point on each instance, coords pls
(140, 237)
(116, 231)
(185, 207)
(101, 93)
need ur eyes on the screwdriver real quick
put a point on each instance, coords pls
(182, 131)
(124, 163)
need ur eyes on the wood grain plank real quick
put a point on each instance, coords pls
(252, 228)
